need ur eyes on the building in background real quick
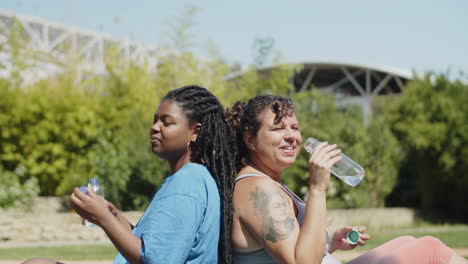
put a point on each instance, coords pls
(56, 45)
(351, 83)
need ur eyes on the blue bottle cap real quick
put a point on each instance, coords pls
(94, 181)
(353, 237)
(83, 189)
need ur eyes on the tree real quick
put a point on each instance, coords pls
(431, 121)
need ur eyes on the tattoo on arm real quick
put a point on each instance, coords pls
(272, 209)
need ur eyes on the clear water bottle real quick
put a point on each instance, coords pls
(96, 187)
(346, 169)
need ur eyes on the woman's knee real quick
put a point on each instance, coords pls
(430, 241)
(405, 239)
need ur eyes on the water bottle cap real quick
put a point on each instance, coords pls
(83, 189)
(94, 181)
(353, 236)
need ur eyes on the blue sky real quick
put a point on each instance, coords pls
(416, 35)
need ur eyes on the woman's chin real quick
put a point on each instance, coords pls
(286, 162)
(157, 151)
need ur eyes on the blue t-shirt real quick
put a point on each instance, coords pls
(182, 222)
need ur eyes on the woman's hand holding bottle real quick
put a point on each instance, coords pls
(322, 159)
(90, 206)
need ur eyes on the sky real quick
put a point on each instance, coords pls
(417, 35)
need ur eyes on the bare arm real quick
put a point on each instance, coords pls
(322, 159)
(311, 241)
(126, 243)
(120, 217)
(268, 213)
(95, 209)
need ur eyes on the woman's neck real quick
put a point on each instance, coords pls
(256, 166)
(176, 164)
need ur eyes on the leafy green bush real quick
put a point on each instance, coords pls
(15, 195)
(430, 119)
(49, 131)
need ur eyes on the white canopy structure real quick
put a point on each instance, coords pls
(351, 82)
(61, 43)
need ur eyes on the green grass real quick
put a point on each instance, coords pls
(458, 237)
(63, 253)
(453, 236)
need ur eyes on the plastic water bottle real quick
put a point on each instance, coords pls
(96, 187)
(346, 169)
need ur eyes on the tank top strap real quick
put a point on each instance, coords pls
(243, 176)
(288, 191)
(246, 175)
(291, 193)
(298, 203)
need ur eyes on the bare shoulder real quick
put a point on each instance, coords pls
(245, 189)
(249, 182)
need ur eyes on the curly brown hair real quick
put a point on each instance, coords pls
(244, 117)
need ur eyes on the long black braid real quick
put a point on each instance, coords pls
(215, 147)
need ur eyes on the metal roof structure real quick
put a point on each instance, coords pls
(61, 43)
(351, 82)
(352, 79)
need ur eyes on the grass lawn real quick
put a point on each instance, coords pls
(63, 253)
(453, 236)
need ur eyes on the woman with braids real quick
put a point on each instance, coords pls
(271, 224)
(189, 218)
